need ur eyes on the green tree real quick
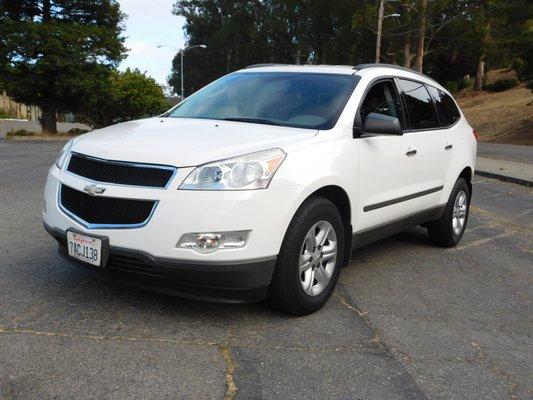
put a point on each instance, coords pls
(231, 31)
(122, 97)
(243, 32)
(447, 39)
(55, 54)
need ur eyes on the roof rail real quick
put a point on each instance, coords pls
(264, 65)
(370, 65)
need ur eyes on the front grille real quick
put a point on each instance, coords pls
(100, 210)
(119, 172)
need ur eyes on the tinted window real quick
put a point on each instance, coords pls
(446, 108)
(419, 105)
(382, 98)
(304, 100)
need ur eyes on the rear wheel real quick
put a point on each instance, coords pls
(310, 259)
(448, 230)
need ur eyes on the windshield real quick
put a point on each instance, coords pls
(302, 100)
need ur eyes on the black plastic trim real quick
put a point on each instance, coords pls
(371, 235)
(390, 202)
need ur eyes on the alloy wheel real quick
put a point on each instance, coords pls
(460, 208)
(318, 256)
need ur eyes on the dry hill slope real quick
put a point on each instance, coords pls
(504, 117)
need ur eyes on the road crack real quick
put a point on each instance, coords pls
(407, 384)
(375, 338)
(481, 359)
(231, 388)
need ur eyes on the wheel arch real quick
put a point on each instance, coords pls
(340, 199)
(467, 174)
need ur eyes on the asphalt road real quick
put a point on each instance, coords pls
(408, 321)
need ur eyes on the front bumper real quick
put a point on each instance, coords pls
(228, 282)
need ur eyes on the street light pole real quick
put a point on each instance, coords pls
(182, 51)
(181, 75)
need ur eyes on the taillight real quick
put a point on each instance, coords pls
(476, 133)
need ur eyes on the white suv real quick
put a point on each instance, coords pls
(261, 184)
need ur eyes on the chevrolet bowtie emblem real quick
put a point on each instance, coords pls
(94, 190)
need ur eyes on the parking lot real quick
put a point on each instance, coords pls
(408, 320)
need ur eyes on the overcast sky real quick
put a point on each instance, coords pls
(149, 23)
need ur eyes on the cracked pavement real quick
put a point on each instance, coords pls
(408, 320)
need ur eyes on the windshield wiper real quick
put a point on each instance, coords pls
(252, 120)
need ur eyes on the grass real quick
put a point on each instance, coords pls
(7, 114)
(19, 133)
(22, 133)
(503, 117)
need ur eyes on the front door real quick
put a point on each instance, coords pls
(395, 178)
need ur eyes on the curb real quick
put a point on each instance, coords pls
(505, 178)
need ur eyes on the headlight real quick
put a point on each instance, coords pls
(62, 156)
(250, 171)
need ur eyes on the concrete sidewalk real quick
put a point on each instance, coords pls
(506, 162)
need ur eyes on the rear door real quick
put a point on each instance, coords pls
(449, 116)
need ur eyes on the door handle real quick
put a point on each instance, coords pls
(410, 152)
(448, 147)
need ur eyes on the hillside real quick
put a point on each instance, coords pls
(504, 117)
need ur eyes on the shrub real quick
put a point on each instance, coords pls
(529, 84)
(464, 83)
(451, 86)
(501, 85)
(77, 131)
(7, 114)
(521, 68)
(19, 132)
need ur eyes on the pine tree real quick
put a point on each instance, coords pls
(53, 53)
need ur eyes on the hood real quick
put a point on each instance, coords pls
(184, 142)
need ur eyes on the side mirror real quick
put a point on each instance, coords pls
(382, 124)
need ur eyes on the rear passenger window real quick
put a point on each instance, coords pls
(419, 105)
(446, 108)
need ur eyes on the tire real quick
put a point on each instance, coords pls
(446, 232)
(297, 293)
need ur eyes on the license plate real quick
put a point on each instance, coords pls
(85, 248)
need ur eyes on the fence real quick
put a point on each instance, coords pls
(18, 110)
(12, 109)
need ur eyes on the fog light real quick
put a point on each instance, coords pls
(207, 242)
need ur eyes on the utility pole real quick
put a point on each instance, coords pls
(380, 24)
(381, 17)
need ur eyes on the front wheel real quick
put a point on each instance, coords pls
(448, 230)
(310, 259)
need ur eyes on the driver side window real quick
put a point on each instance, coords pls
(382, 98)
